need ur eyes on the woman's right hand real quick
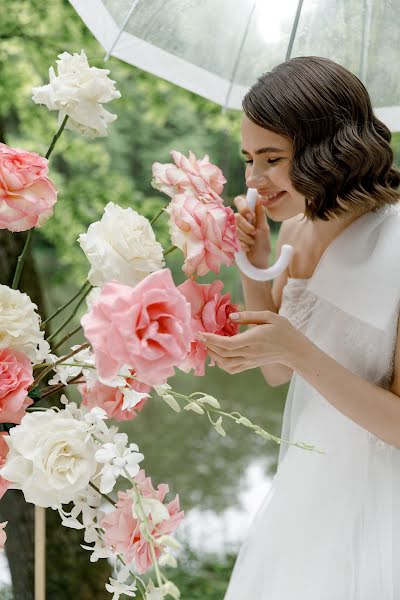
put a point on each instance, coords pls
(253, 231)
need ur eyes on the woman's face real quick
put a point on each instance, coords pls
(268, 156)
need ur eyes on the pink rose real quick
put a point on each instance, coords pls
(122, 529)
(204, 231)
(3, 535)
(210, 312)
(27, 195)
(111, 399)
(15, 379)
(189, 174)
(146, 328)
(4, 484)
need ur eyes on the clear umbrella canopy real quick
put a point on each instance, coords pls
(218, 48)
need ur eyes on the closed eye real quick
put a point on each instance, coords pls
(270, 161)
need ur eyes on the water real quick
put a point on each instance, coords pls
(221, 481)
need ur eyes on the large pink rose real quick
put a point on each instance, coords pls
(210, 312)
(4, 484)
(111, 399)
(146, 328)
(27, 195)
(15, 379)
(122, 529)
(200, 177)
(204, 231)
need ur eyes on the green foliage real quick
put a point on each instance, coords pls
(202, 577)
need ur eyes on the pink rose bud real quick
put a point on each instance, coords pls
(15, 379)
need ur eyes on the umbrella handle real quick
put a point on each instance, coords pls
(263, 274)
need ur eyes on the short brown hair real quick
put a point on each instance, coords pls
(341, 150)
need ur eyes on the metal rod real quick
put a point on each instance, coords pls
(236, 64)
(124, 24)
(366, 29)
(294, 30)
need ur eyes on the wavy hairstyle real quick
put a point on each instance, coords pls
(342, 159)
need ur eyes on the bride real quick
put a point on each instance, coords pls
(321, 163)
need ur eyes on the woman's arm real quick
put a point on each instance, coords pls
(375, 409)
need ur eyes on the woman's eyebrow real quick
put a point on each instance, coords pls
(264, 150)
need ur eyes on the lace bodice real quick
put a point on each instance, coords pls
(297, 302)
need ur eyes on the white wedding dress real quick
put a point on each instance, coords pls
(330, 527)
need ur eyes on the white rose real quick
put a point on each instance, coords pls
(79, 91)
(121, 247)
(20, 325)
(50, 458)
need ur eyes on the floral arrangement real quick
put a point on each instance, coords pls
(139, 326)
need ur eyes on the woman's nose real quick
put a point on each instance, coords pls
(255, 179)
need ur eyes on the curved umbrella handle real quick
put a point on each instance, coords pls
(263, 274)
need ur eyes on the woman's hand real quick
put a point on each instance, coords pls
(274, 340)
(253, 230)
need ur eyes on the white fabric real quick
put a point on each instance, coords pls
(330, 526)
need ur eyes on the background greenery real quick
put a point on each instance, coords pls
(153, 118)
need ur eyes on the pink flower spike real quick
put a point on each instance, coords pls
(122, 529)
(205, 232)
(200, 177)
(4, 484)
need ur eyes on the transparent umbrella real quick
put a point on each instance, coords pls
(218, 48)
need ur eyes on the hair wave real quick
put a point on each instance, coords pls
(342, 159)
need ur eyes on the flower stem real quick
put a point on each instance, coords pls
(108, 498)
(64, 306)
(67, 336)
(55, 138)
(154, 219)
(60, 360)
(28, 241)
(71, 316)
(52, 389)
(170, 250)
(21, 260)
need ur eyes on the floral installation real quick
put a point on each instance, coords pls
(138, 328)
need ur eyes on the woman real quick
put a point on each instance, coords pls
(322, 165)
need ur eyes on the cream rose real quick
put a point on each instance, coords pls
(121, 247)
(51, 458)
(79, 92)
(20, 325)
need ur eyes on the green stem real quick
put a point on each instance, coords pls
(64, 306)
(70, 317)
(108, 498)
(254, 428)
(21, 260)
(154, 219)
(59, 361)
(52, 389)
(55, 138)
(66, 337)
(170, 250)
(28, 241)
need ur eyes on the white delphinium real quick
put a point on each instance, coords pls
(20, 325)
(79, 92)
(121, 247)
(159, 593)
(118, 458)
(83, 362)
(163, 391)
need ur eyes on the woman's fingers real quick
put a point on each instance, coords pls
(255, 317)
(261, 218)
(246, 239)
(244, 208)
(244, 225)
